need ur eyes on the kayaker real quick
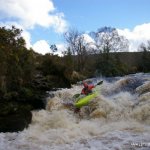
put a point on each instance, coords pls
(85, 91)
(87, 88)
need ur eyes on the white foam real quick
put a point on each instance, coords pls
(111, 121)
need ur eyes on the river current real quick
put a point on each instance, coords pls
(117, 119)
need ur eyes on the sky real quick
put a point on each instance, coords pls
(44, 21)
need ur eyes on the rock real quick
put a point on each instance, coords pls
(75, 77)
(14, 117)
(15, 122)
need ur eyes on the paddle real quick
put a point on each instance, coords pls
(84, 100)
(99, 83)
(77, 95)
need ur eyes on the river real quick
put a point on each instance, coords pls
(117, 119)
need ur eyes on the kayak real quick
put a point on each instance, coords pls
(85, 100)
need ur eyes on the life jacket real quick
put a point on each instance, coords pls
(87, 89)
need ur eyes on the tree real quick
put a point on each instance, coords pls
(77, 46)
(54, 48)
(68, 59)
(145, 48)
(71, 38)
(15, 60)
(108, 40)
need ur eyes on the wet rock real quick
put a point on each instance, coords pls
(15, 120)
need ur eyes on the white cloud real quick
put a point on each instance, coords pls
(88, 41)
(41, 47)
(26, 14)
(27, 37)
(141, 33)
(29, 13)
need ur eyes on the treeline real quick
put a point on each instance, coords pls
(25, 76)
(114, 64)
(105, 54)
(24, 72)
(123, 63)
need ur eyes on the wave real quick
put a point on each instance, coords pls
(118, 118)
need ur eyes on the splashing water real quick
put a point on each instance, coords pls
(118, 118)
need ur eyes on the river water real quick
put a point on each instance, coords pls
(117, 119)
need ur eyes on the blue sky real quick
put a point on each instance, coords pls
(44, 21)
(92, 14)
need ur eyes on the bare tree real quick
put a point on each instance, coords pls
(148, 45)
(108, 40)
(142, 47)
(71, 38)
(77, 46)
(145, 48)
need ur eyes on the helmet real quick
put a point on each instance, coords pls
(85, 84)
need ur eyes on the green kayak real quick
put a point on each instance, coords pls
(85, 100)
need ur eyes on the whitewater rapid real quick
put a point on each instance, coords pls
(117, 119)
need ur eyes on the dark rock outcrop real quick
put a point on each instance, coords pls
(14, 118)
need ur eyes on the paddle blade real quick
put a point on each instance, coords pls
(76, 96)
(99, 83)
